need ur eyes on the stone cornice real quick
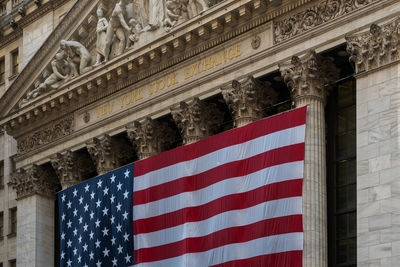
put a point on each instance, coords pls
(250, 13)
(28, 19)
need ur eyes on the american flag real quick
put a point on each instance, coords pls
(234, 199)
(96, 221)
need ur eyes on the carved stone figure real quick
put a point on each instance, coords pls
(101, 30)
(77, 56)
(196, 7)
(117, 28)
(156, 15)
(175, 13)
(61, 73)
(136, 28)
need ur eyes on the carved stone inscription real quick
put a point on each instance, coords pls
(189, 73)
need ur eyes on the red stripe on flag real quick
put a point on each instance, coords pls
(236, 136)
(229, 170)
(240, 234)
(286, 189)
(283, 259)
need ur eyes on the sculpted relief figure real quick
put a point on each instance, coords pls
(118, 30)
(176, 12)
(61, 72)
(196, 7)
(78, 57)
(101, 30)
(156, 15)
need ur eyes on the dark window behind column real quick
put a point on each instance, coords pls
(341, 156)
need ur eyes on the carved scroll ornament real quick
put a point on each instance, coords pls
(314, 16)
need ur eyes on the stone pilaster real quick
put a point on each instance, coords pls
(66, 166)
(196, 119)
(375, 48)
(102, 154)
(149, 137)
(248, 99)
(306, 78)
(36, 188)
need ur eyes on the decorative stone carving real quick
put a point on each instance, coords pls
(156, 15)
(196, 119)
(101, 152)
(78, 57)
(101, 29)
(61, 73)
(149, 137)
(248, 99)
(34, 180)
(45, 135)
(175, 13)
(308, 76)
(376, 47)
(13, 23)
(66, 166)
(195, 7)
(314, 16)
(118, 30)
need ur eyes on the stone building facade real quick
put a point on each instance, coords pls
(104, 83)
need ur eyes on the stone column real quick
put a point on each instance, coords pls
(248, 99)
(196, 119)
(102, 154)
(149, 137)
(306, 78)
(376, 56)
(36, 188)
(66, 166)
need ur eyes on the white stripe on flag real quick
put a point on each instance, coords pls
(274, 174)
(263, 211)
(237, 251)
(241, 151)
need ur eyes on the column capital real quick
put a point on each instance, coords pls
(308, 76)
(101, 152)
(66, 166)
(196, 119)
(375, 48)
(149, 137)
(34, 180)
(247, 98)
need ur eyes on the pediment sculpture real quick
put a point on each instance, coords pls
(127, 21)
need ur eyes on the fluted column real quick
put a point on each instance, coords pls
(248, 99)
(36, 189)
(196, 119)
(149, 137)
(66, 166)
(307, 77)
(102, 154)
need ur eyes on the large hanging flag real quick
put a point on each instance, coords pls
(234, 199)
(96, 221)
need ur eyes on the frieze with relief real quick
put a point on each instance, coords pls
(314, 16)
(45, 135)
(120, 25)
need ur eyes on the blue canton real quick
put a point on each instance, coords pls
(96, 225)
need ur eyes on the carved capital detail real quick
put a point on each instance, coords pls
(34, 180)
(101, 152)
(196, 119)
(376, 47)
(247, 99)
(149, 137)
(308, 76)
(321, 13)
(66, 166)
